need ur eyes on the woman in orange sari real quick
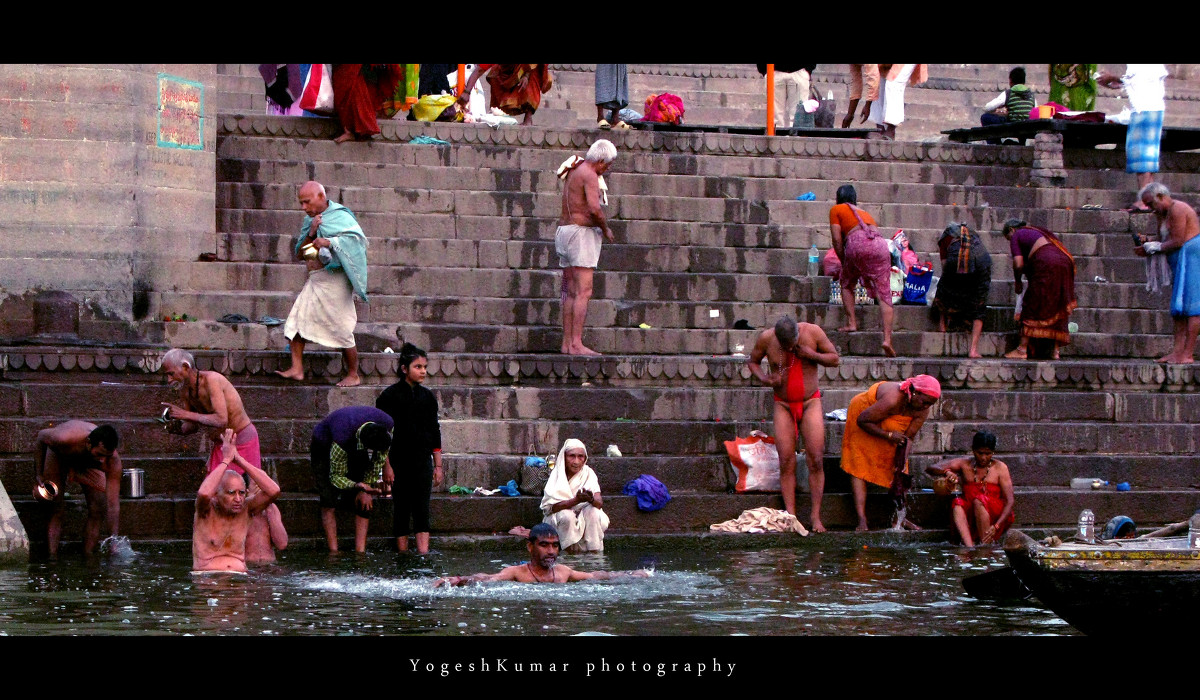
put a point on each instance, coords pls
(880, 425)
(516, 87)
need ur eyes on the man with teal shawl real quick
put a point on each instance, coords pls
(334, 248)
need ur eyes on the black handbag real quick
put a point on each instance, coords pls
(820, 119)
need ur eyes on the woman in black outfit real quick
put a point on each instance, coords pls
(416, 453)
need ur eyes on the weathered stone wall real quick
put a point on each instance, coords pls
(107, 174)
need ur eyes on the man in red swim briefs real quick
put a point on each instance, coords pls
(793, 352)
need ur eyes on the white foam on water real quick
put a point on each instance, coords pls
(669, 584)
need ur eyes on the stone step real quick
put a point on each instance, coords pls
(38, 363)
(171, 517)
(755, 248)
(411, 182)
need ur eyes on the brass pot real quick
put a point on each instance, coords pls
(309, 251)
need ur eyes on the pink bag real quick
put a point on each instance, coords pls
(832, 265)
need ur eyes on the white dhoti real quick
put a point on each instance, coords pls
(324, 311)
(584, 524)
(889, 108)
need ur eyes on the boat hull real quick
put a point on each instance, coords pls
(1111, 590)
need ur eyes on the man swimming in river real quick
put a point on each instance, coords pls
(542, 567)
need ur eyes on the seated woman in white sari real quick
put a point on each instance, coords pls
(572, 502)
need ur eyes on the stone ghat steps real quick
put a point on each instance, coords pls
(547, 339)
(784, 212)
(357, 190)
(171, 517)
(300, 151)
(180, 475)
(645, 245)
(517, 437)
(141, 365)
(746, 401)
(604, 313)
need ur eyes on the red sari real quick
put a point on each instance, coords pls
(517, 87)
(356, 99)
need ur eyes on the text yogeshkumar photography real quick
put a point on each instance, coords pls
(601, 666)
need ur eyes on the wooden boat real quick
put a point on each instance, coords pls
(1112, 587)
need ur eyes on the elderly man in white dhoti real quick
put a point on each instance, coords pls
(334, 248)
(572, 502)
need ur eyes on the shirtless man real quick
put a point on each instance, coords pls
(209, 400)
(223, 511)
(1176, 225)
(577, 239)
(987, 492)
(541, 568)
(797, 402)
(266, 534)
(86, 454)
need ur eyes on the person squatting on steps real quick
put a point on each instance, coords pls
(334, 248)
(984, 511)
(881, 423)
(865, 256)
(516, 87)
(349, 456)
(578, 237)
(793, 352)
(571, 501)
(224, 509)
(1046, 307)
(82, 452)
(416, 454)
(1176, 228)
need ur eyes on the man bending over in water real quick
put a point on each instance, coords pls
(223, 511)
(793, 352)
(541, 567)
(81, 452)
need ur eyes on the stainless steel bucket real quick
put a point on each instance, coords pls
(133, 483)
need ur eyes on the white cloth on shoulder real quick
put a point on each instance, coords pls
(573, 162)
(324, 311)
(584, 522)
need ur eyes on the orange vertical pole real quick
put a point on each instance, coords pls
(462, 77)
(770, 99)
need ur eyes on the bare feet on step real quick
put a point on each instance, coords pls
(346, 136)
(350, 380)
(294, 373)
(974, 354)
(1017, 354)
(847, 329)
(817, 526)
(862, 527)
(888, 350)
(582, 349)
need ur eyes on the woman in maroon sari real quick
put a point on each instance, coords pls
(359, 90)
(1046, 307)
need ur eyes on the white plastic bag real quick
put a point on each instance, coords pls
(756, 461)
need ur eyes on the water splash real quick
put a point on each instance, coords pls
(118, 547)
(658, 585)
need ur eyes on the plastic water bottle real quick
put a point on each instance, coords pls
(814, 261)
(550, 459)
(1194, 532)
(1087, 526)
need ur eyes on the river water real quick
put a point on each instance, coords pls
(906, 589)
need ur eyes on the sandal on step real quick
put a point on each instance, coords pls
(603, 124)
(621, 125)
